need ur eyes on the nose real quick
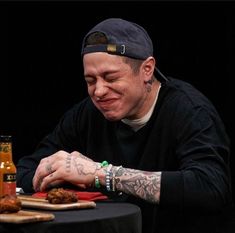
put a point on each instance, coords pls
(100, 88)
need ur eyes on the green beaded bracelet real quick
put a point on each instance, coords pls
(97, 182)
(104, 163)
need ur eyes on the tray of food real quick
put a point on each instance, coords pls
(56, 199)
(11, 212)
(23, 216)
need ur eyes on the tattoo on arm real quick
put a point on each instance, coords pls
(145, 185)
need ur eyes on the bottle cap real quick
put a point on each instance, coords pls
(5, 138)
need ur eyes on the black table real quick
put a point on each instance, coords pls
(106, 217)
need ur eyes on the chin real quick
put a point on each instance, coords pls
(111, 117)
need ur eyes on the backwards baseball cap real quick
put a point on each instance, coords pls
(124, 38)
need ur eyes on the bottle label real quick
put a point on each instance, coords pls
(5, 148)
(11, 177)
(9, 184)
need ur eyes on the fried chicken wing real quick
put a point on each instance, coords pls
(9, 204)
(61, 196)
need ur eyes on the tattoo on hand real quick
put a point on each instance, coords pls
(49, 168)
(68, 163)
(84, 157)
(80, 168)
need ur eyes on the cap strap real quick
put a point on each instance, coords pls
(121, 50)
(110, 48)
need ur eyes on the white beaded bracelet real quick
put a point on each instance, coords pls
(108, 176)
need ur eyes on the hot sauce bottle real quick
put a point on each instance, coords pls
(7, 167)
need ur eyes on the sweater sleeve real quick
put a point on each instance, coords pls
(63, 137)
(203, 180)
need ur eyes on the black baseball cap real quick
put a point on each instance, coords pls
(125, 38)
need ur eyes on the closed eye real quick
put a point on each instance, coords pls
(111, 77)
(90, 80)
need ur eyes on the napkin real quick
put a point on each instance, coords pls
(82, 195)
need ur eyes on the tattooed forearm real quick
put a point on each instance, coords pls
(145, 185)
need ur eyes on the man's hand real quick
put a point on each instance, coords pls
(62, 166)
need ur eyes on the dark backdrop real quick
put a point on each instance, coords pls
(193, 41)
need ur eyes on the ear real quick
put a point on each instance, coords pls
(148, 68)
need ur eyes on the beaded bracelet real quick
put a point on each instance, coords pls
(100, 165)
(104, 163)
(108, 176)
(97, 182)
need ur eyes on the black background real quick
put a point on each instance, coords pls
(42, 74)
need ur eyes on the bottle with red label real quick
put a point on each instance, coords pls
(7, 167)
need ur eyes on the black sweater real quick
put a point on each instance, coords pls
(184, 138)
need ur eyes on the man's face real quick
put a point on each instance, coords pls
(113, 87)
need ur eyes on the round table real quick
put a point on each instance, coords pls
(105, 217)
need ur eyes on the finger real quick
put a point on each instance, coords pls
(37, 178)
(51, 179)
(48, 168)
(37, 181)
(44, 169)
(82, 186)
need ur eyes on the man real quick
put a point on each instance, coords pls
(166, 146)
